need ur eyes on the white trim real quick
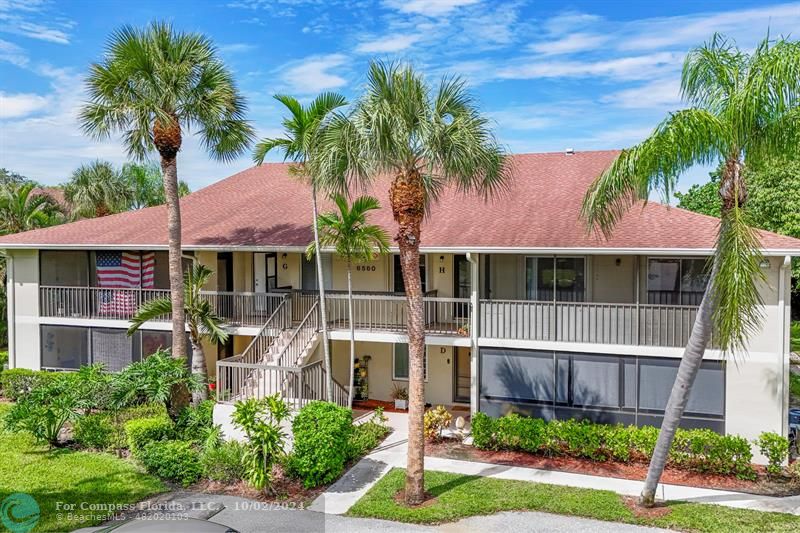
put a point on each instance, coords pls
(432, 250)
(374, 336)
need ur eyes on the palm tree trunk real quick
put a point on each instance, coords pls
(322, 311)
(407, 197)
(352, 332)
(199, 370)
(679, 396)
(169, 169)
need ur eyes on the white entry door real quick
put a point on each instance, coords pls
(265, 271)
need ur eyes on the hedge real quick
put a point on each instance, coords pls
(700, 450)
(142, 431)
(175, 460)
(322, 433)
(17, 382)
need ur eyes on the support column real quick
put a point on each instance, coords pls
(10, 308)
(474, 331)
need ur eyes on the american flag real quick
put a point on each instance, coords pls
(125, 271)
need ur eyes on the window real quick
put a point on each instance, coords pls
(526, 376)
(399, 284)
(673, 281)
(64, 347)
(656, 377)
(69, 347)
(64, 268)
(400, 364)
(555, 278)
(308, 272)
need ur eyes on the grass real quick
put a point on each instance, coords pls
(68, 477)
(795, 336)
(458, 496)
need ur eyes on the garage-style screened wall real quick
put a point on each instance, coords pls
(602, 388)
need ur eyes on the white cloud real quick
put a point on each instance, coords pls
(33, 19)
(20, 105)
(13, 54)
(312, 74)
(388, 44)
(430, 8)
(236, 48)
(631, 68)
(657, 94)
(576, 42)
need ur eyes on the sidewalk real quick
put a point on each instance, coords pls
(358, 480)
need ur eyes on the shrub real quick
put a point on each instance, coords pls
(93, 385)
(321, 434)
(260, 420)
(142, 431)
(152, 381)
(174, 460)
(483, 428)
(776, 449)
(18, 382)
(44, 410)
(794, 470)
(697, 449)
(95, 430)
(3, 360)
(195, 423)
(225, 461)
(436, 421)
(364, 438)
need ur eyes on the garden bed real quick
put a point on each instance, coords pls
(455, 449)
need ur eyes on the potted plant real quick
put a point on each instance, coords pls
(400, 397)
(463, 329)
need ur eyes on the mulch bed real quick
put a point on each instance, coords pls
(370, 405)
(453, 449)
(284, 490)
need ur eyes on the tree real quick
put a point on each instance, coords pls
(96, 190)
(426, 139)
(300, 137)
(146, 185)
(773, 203)
(9, 177)
(743, 109)
(152, 85)
(201, 318)
(21, 209)
(355, 241)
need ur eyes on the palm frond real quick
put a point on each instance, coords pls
(150, 310)
(683, 139)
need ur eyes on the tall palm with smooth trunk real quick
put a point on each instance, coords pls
(426, 139)
(743, 108)
(356, 241)
(297, 144)
(153, 85)
(96, 190)
(202, 321)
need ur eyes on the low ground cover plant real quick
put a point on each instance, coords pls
(699, 450)
(436, 421)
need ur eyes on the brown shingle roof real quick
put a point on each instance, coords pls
(265, 207)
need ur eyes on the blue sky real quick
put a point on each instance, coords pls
(552, 74)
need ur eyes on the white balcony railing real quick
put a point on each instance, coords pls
(628, 324)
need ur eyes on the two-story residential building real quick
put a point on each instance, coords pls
(526, 310)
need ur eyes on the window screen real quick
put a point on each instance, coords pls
(657, 376)
(152, 341)
(112, 348)
(595, 381)
(62, 268)
(64, 347)
(516, 374)
(400, 364)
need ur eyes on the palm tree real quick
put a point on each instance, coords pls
(426, 139)
(96, 190)
(300, 136)
(742, 109)
(356, 241)
(153, 85)
(23, 209)
(201, 319)
(146, 185)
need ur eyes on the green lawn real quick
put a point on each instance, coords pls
(460, 496)
(796, 336)
(69, 477)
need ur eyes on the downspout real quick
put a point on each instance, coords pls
(783, 346)
(473, 330)
(11, 310)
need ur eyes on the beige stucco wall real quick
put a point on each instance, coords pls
(242, 271)
(612, 283)
(369, 276)
(26, 305)
(438, 387)
(208, 259)
(289, 270)
(440, 274)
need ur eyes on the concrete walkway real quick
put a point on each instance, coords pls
(355, 483)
